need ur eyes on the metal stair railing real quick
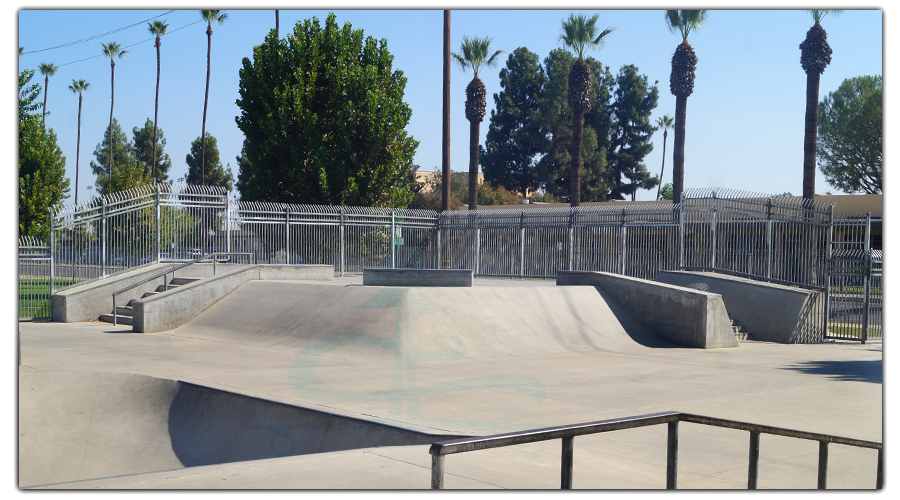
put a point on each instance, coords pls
(568, 432)
(163, 274)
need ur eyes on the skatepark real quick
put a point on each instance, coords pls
(333, 384)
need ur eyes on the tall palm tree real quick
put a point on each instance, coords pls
(664, 122)
(277, 29)
(681, 84)
(112, 50)
(815, 55)
(580, 32)
(48, 70)
(159, 29)
(209, 16)
(77, 87)
(474, 54)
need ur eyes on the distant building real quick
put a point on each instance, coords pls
(428, 178)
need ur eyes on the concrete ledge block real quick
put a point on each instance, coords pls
(771, 312)
(417, 277)
(311, 272)
(89, 301)
(683, 316)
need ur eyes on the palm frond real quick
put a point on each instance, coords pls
(665, 122)
(48, 69)
(211, 16)
(580, 32)
(113, 49)
(158, 28)
(818, 15)
(685, 21)
(474, 54)
(79, 86)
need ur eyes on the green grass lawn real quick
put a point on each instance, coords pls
(34, 297)
(854, 331)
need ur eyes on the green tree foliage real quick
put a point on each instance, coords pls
(143, 151)
(324, 118)
(515, 138)
(213, 171)
(630, 143)
(42, 167)
(849, 145)
(666, 192)
(127, 172)
(427, 194)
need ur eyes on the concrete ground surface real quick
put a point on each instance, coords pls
(501, 356)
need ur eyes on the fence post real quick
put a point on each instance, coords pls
(342, 240)
(769, 239)
(572, 238)
(568, 449)
(52, 251)
(622, 239)
(287, 235)
(681, 235)
(522, 245)
(713, 243)
(227, 222)
(437, 472)
(157, 224)
(753, 469)
(823, 465)
(867, 271)
(828, 253)
(393, 240)
(103, 236)
(672, 456)
(477, 243)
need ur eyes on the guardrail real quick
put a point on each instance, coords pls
(166, 273)
(568, 432)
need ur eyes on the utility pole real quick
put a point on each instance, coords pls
(445, 146)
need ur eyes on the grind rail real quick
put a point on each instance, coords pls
(568, 432)
(164, 274)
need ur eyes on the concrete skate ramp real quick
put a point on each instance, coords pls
(448, 323)
(85, 425)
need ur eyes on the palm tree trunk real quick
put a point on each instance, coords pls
(205, 102)
(46, 84)
(678, 151)
(78, 150)
(156, 109)
(663, 169)
(445, 132)
(474, 129)
(575, 169)
(277, 30)
(112, 101)
(809, 136)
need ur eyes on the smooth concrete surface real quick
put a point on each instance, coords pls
(771, 312)
(89, 301)
(470, 380)
(417, 277)
(681, 315)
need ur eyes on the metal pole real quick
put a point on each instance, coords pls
(672, 457)
(114, 315)
(287, 235)
(713, 244)
(477, 243)
(522, 245)
(622, 238)
(753, 469)
(681, 235)
(437, 472)
(52, 251)
(157, 224)
(823, 464)
(393, 241)
(342, 240)
(769, 239)
(568, 449)
(227, 223)
(828, 254)
(572, 238)
(879, 482)
(867, 271)
(439, 234)
(103, 237)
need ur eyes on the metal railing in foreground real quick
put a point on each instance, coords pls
(568, 432)
(164, 274)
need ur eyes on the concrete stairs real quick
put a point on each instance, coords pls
(740, 332)
(124, 315)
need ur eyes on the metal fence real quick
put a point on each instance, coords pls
(34, 278)
(783, 240)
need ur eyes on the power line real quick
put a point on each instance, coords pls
(132, 45)
(88, 39)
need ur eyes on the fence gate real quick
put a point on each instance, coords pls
(855, 284)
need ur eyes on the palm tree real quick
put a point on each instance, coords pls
(112, 50)
(681, 84)
(159, 29)
(48, 70)
(665, 123)
(277, 29)
(474, 54)
(209, 16)
(815, 55)
(580, 32)
(77, 87)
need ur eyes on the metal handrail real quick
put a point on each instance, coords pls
(176, 268)
(568, 432)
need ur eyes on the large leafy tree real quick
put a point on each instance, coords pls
(158, 29)
(149, 151)
(324, 118)
(112, 50)
(633, 104)
(515, 138)
(209, 17)
(681, 84)
(580, 32)
(815, 55)
(664, 122)
(127, 172)
(48, 70)
(78, 87)
(850, 136)
(42, 167)
(473, 54)
(212, 169)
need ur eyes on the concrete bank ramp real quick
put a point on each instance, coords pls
(84, 425)
(448, 323)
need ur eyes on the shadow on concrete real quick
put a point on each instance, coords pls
(846, 371)
(635, 329)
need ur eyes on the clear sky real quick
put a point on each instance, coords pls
(744, 119)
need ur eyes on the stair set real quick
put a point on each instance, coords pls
(740, 332)
(125, 314)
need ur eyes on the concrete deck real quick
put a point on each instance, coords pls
(503, 355)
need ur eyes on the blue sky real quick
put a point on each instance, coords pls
(744, 120)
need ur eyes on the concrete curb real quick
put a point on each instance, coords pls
(417, 277)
